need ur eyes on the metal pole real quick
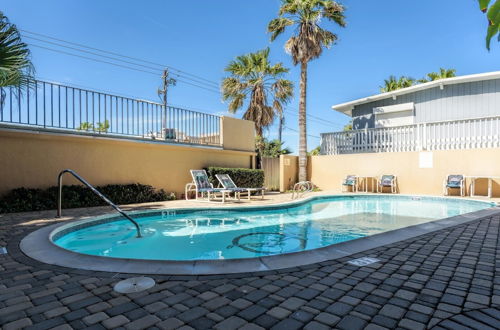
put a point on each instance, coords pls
(163, 92)
(104, 198)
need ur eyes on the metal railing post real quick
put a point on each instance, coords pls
(95, 191)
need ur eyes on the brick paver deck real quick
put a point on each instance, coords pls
(446, 279)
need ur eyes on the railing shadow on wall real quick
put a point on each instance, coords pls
(50, 106)
(444, 135)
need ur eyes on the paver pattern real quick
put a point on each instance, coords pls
(446, 279)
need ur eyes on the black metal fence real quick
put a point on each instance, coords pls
(48, 105)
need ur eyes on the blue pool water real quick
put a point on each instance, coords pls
(247, 233)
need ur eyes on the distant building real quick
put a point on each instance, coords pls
(453, 113)
(463, 97)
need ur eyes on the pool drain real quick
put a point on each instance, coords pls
(134, 284)
(363, 261)
(268, 243)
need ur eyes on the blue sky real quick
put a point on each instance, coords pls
(383, 37)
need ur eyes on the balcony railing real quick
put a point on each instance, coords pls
(51, 106)
(443, 135)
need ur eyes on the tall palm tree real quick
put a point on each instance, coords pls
(304, 45)
(15, 64)
(394, 83)
(442, 74)
(254, 78)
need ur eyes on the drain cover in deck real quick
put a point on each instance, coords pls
(134, 284)
(3, 250)
(364, 261)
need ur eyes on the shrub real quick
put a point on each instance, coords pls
(242, 177)
(26, 199)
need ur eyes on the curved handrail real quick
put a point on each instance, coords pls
(104, 198)
(302, 187)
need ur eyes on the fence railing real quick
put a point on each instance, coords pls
(48, 105)
(443, 135)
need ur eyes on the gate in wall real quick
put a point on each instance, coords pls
(271, 167)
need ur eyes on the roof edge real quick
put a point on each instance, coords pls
(347, 107)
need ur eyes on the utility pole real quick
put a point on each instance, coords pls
(163, 92)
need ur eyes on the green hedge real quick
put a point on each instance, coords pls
(26, 199)
(242, 177)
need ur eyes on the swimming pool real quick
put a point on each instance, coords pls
(236, 233)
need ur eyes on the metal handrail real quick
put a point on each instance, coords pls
(104, 198)
(302, 187)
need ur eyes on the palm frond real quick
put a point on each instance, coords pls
(310, 38)
(278, 25)
(15, 64)
(334, 12)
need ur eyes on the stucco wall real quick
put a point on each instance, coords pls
(238, 134)
(289, 166)
(31, 159)
(328, 171)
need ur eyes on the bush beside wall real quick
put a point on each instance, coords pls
(242, 177)
(26, 199)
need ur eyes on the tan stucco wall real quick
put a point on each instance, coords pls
(238, 134)
(30, 159)
(289, 166)
(328, 171)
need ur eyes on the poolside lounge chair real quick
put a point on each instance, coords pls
(349, 181)
(387, 181)
(202, 185)
(227, 183)
(454, 181)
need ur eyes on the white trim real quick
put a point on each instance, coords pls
(347, 107)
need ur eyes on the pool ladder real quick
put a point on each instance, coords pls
(95, 191)
(302, 187)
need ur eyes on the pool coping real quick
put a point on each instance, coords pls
(39, 246)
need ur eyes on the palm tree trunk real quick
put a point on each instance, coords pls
(302, 123)
(280, 129)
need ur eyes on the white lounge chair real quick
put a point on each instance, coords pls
(387, 181)
(350, 181)
(227, 183)
(201, 186)
(454, 181)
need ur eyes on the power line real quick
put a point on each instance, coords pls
(117, 59)
(294, 130)
(314, 117)
(80, 86)
(315, 120)
(119, 65)
(121, 55)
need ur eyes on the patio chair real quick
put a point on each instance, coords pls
(349, 181)
(387, 181)
(227, 183)
(454, 181)
(202, 185)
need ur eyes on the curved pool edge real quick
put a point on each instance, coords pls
(38, 245)
(225, 207)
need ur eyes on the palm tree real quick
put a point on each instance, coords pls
(442, 74)
(390, 84)
(15, 64)
(304, 45)
(394, 83)
(254, 78)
